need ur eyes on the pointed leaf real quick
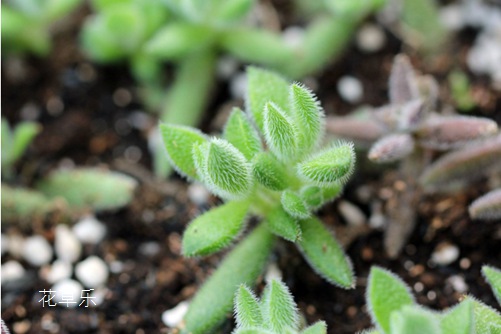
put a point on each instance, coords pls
(331, 192)
(411, 115)
(386, 293)
(268, 171)
(312, 196)
(242, 265)
(179, 141)
(283, 225)
(411, 319)
(240, 132)
(330, 165)
(215, 229)
(319, 327)
(487, 206)
(279, 309)
(487, 319)
(459, 320)
(279, 132)
(309, 114)
(264, 86)
(223, 168)
(493, 276)
(324, 254)
(233, 9)
(20, 204)
(294, 205)
(402, 84)
(247, 309)
(363, 131)
(23, 135)
(391, 148)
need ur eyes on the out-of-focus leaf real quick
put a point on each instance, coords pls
(487, 206)
(391, 148)
(402, 83)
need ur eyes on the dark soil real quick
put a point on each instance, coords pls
(87, 119)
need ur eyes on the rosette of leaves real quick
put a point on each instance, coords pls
(275, 313)
(27, 24)
(394, 311)
(407, 130)
(282, 182)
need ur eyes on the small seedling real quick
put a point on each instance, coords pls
(282, 183)
(408, 130)
(275, 313)
(394, 311)
(26, 24)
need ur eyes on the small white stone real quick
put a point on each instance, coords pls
(174, 316)
(238, 85)
(226, 67)
(98, 296)
(68, 247)
(293, 36)
(350, 89)
(451, 17)
(58, 271)
(273, 272)
(198, 194)
(67, 293)
(445, 254)
(89, 230)
(351, 213)
(5, 243)
(458, 284)
(16, 245)
(37, 251)
(92, 272)
(371, 38)
(116, 267)
(12, 271)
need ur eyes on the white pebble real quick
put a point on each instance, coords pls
(351, 213)
(5, 243)
(371, 38)
(238, 85)
(198, 194)
(16, 245)
(293, 36)
(67, 246)
(175, 315)
(98, 296)
(451, 17)
(350, 89)
(273, 272)
(445, 254)
(458, 284)
(67, 293)
(92, 272)
(58, 271)
(12, 271)
(37, 251)
(226, 67)
(89, 230)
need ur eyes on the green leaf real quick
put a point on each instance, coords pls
(324, 254)
(493, 276)
(215, 229)
(240, 132)
(386, 293)
(247, 309)
(331, 165)
(310, 117)
(233, 10)
(411, 319)
(353, 7)
(99, 45)
(177, 40)
(89, 187)
(19, 204)
(264, 86)
(268, 171)
(278, 307)
(242, 265)
(319, 327)
(223, 169)
(279, 132)
(283, 225)
(294, 205)
(23, 135)
(179, 141)
(312, 196)
(459, 320)
(59, 8)
(330, 192)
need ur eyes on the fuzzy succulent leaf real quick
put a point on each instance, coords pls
(312, 196)
(331, 192)
(89, 188)
(179, 141)
(493, 276)
(294, 205)
(386, 293)
(279, 309)
(241, 266)
(283, 225)
(215, 229)
(240, 132)
(391, 148)
(264, 86)
(269, 172)
(364, 131)
(223, 168)
(411, 319)
(324, 253)
(319, 327)
(444, 133)
(459, 320)
(487, 206)
(402, 83)
(411, 115)
(279, 132)
(20, 204)
(228, 11)
(330, 165)
(247, 309)
(309, 116)
(487, 319)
